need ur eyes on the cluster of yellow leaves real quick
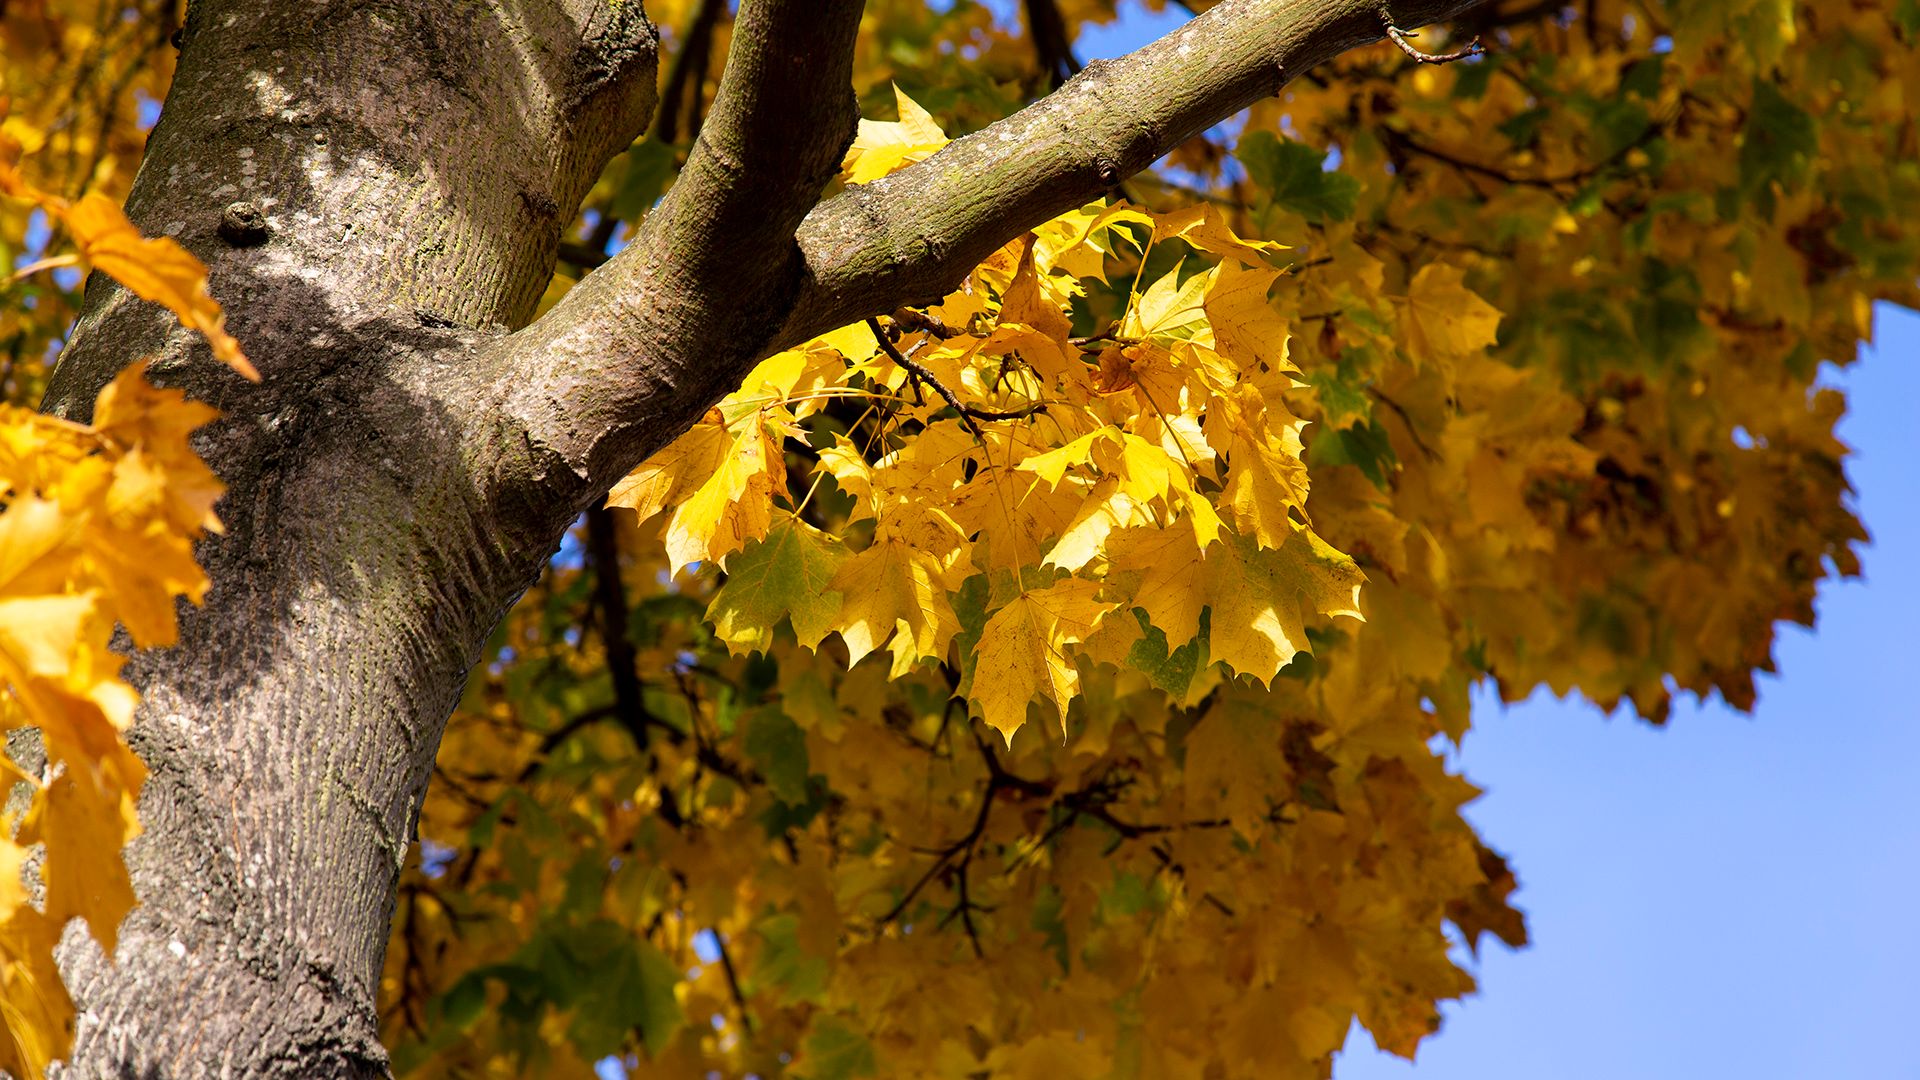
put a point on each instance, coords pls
(1157, 467)
(97, 529)
(1135, 525)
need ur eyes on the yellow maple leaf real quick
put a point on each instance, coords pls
(1028, 303)
(1171, 586)
(908, 490)
(36, 1015)
(1246, 328)
(1052, 466)
(1442, 320)
(1078, 242)
(1105, 508)
(733, 506)
(153, 425)
(1261, 598)
(1023, 657)
(1014, 515)
(1062, 373)
(1266, 479)
(883, 146)
(33, 533)
(1149, 472)
(1204, 227)
(40, 635)
(675, 472)
(1169, 308)
(895, 595)
(84, 829)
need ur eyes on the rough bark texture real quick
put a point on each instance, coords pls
(414, 171)
(412, 458)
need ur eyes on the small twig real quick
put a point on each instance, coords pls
(913, 320)
(918, 374)
(1400, 37)
(1020, 413)
(1166, 861)
(1405, 418)
(999, 774)
(965, 909)
(959, 853)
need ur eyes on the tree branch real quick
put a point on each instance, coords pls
(640, 347)
(919, 376)
(736, 263)
(782, 119)
(912, 236)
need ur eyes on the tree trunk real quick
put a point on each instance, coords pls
(415, 172)
(410, 462)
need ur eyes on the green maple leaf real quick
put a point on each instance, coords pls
(784, 576)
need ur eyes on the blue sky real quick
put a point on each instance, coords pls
(1734, 896)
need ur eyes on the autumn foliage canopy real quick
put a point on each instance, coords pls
(1049, 679)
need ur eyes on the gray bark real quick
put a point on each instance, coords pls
(414, 454)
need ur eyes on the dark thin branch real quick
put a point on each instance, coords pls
(964, 907)
(591, 252)
(1051, 45)
(918, 373)
(733, 984)
(610, 616)
(1402, 141)
(998, 772)
(1166, 860)
(961, 849)
(915, 321)
(958, 856)
(689, 70)
(581, 255)
(552, 740)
